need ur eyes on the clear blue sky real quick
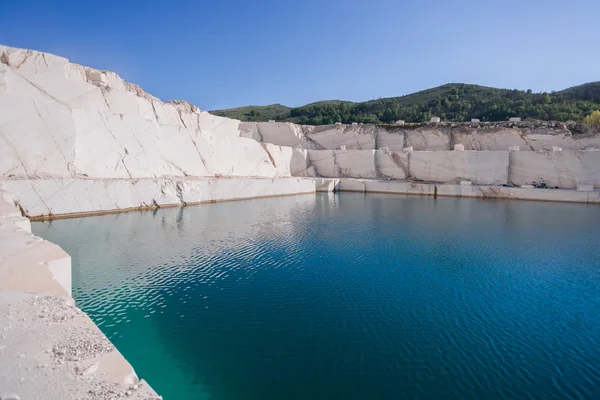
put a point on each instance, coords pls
(228, 53)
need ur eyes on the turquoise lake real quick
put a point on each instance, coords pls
(347, 296)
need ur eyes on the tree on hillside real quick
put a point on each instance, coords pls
(593, 118)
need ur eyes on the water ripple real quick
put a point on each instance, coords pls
(348, 296)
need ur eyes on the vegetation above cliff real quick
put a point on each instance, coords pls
(452, 102)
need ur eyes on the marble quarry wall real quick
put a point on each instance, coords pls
(478, 167)
(492, 136)
(74, 139)
(90, 123)
(563, 169)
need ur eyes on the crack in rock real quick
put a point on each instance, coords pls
(264, 146)
(179, 187)
(176, 167)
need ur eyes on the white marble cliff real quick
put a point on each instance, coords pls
(74, 139)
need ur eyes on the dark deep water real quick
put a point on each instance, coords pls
(349, 296)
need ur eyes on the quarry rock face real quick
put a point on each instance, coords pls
(481, 168)
(484, 136)
(69, 132)
(563, 169)
(64, 120)
(75, 139)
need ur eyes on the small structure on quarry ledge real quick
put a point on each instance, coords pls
(475, 120)
(515, 119)
(400, 122)
(435, 120)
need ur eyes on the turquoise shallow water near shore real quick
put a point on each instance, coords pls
(347, 296)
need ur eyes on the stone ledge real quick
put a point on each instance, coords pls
(45, 340)
(483, 192)
(69, 197)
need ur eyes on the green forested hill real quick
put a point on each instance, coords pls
(452, 102)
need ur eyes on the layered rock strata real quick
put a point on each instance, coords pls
(491, 136)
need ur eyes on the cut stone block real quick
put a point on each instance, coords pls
(475, 120)
(465, 183)
(326, 185)
(564, 169)
(479, 167)
(408, 149)
(435, 120)
(515, 119)
(585, 188)
(400, 122)
(526, 186)
(514, 148)
(459, 147)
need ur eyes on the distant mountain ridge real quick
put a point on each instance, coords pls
(456, 102)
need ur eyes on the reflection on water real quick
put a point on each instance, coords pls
(349, 296)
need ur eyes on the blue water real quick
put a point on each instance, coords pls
(347, 296)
